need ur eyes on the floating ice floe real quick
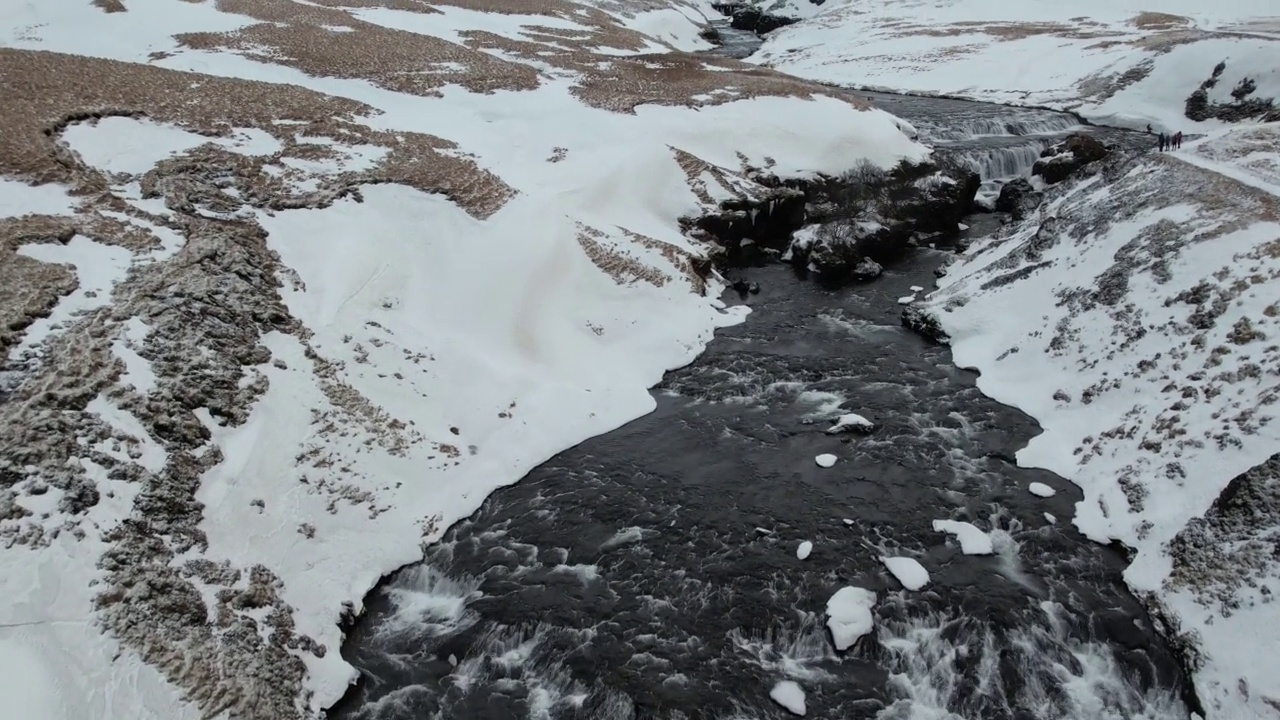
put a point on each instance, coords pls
(973, 541)
(850, 422)
(825, 460)
(910, 573)
(849, 615)
(804, 550)
(790, 696)
(1041, 490)
(916, 288)
(906, 299)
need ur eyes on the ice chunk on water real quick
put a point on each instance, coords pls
(803, 551)
(790, 696)
(825, 460)
(1042, 490)
(848, 521)
(849, 615)
(1050, 518)
(851, 421)
(910, 573)
(916, 288)
(972, 540)
(906, 300)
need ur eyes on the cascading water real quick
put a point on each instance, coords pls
(652, 572)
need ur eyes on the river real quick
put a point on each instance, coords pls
(652, 572)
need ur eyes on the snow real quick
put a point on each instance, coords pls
(804, 549)
(499, 327)
(908, 571)
(1070, 55)
(790, 696)
(133, 146)
(825, 460)
(849, 615)
(851, 421)
(19, 198)
(1150, 409)
(98, 268)
(1041, 490)
(973, 541)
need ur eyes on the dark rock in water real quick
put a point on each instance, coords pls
(1018, 198)
(754, 288)
(1060, 160)
(711, 35)
(925, 325)
(747, 17)
(868, 269)
(751, 232)
(869, 214)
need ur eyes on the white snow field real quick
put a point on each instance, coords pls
(1151, 367)
(305, 309)
(1122, 62)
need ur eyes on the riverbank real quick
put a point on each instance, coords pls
(653, 571)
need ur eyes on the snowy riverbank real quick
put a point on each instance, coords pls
(1150, 363)
(325, 306)
(1113, 63)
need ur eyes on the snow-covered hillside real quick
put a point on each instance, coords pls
(1117, 62)
(1152, 362)
(288, 287)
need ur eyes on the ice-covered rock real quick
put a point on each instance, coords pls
(908, 571)
(1041, 490)
(789, 695)
(973, 541)
(849, 615)
(825, 460)
(851, 422)
(804, 550)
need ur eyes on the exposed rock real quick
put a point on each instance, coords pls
(1243, 108)
(924, 324)
(868, 269)
(748, 17)
(870, 216)
(1018, 198)
(1060, 160)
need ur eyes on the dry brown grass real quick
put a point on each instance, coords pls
(296, 35)
(29, 289)
(60, 89)
(110, 6)
(1011, 30)
(1158, 21)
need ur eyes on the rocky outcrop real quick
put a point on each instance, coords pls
(924, 324)
(748, 17)
(867, 217)
(1061, 160)
(1018, 198)
(749, 231)
(1242, 108)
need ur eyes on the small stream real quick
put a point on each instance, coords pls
(652, 572)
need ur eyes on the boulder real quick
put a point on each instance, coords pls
(924, 324)
(748, 17)
(1060, 160)
(1018, 198)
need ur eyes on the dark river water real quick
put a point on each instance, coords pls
(652, 572)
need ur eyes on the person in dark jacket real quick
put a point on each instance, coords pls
(1177, 140)
(1161, 141)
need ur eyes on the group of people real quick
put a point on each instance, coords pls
(1166, 141)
